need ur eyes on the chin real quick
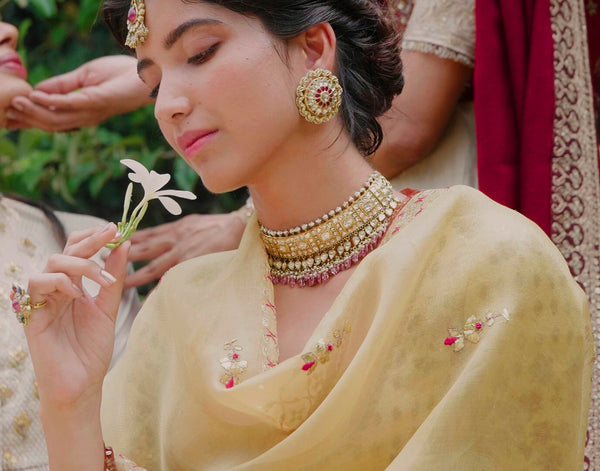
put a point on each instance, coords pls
(219, 183)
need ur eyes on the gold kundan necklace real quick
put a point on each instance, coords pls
(312, 253)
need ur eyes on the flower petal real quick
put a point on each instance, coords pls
(155, 182)
(140, 172)
(170, 205)
(188, 195)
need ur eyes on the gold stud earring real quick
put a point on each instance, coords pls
(319, 95)
(136, 29)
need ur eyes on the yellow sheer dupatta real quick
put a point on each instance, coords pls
(391, 386)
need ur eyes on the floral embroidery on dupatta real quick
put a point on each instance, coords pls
(323, 349)
(473, 329)
(232, 364)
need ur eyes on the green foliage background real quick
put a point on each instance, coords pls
(80, 171)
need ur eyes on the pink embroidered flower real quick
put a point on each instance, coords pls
(450, 340)
(308, 366)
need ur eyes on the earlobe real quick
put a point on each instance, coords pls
(319, 46)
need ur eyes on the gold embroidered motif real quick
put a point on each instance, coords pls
(5, 394)
(21, 424)
(17, 358)
(323, 349)
(8, 458)
(233, 366)
(13, 270)
(27, 246)
(473, 329)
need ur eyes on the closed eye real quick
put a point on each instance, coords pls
(197, 59)
(204, 55)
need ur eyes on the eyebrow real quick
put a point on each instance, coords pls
(176, 34)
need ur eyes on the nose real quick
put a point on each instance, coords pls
(8, 35)
(172, 102)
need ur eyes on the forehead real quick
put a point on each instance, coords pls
(168, 20)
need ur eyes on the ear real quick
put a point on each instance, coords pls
(318, 46)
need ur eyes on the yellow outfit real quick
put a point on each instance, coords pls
(461, 343)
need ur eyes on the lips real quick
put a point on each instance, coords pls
(191, 142)
(11, 63)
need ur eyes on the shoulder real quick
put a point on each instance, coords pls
(470, 228)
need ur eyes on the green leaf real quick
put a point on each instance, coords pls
(45, 8)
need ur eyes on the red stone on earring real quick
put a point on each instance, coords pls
(131, 15)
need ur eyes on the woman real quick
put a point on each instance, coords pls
(415, 331)
(29, 233)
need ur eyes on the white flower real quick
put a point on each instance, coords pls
(151, 182)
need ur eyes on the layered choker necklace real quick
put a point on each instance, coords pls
(312, 253)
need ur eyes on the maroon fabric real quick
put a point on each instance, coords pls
(514, 104)
(593, 29)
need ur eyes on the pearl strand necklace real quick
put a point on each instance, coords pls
(310, 254)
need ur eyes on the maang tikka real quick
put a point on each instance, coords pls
(319, 96)
(136, 29)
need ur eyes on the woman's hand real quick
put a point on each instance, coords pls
(10, 87)
(86, 96)
(191, 236)
(71, 337)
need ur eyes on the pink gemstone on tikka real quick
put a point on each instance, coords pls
(131, 15)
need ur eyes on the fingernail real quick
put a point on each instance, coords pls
(108, 277)
(18, 106)
(107, 227)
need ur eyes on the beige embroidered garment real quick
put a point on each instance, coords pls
(27, 240)
(444, 28)
(461, 343)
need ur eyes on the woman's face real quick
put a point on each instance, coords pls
(12, 73)
(10, 62)
(224, 96)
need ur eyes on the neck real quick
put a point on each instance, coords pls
(301, 190)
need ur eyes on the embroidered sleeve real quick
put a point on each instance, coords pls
(445, 28)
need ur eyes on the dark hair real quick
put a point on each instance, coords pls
(368, 54)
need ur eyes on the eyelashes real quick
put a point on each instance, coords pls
(194, 60)
(204, 55)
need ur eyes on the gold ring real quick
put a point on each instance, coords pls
(39, 305)
(21, 303)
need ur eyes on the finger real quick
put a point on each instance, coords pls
(149, 249)
(70, 102)
(40, 117)
(43, 285)
(150, 232)
(88, 246)
(78, 236)
(150, 272)
(63, 83)
(109, 297)
(75, 268)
